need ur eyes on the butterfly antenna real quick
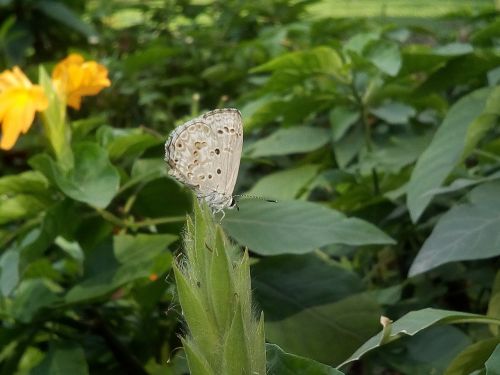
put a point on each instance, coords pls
(246, 196)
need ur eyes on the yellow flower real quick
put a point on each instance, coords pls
(74, 77)
(19, 100)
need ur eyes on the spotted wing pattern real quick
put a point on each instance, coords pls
(204, 153)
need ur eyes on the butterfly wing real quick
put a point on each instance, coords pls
(227, 125)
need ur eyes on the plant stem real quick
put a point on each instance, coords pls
(366, 132)
(138, 224)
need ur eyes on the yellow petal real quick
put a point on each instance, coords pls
(75, 78)
(9, 136)
(18, 106)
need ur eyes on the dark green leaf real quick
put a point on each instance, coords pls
(282, 363)
(128, 143)
(494, 303)
(327, 333)
(412, 323)
(140, 248)
(287, 284)
(294, 140)
(428, 352)
(9, 271)
(297, 227)
(31, 297)
(445, 150)
(93, 179)
(393, 155)
(63, 358)
(60, 12)
(473, 357)
(465, 232)
(296, 67)
(285, 185)
(131, 258)
(493, 363)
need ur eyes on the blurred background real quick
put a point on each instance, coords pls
(341, 100)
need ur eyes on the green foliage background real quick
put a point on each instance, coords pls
(373, 123)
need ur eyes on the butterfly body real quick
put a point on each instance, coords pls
(204, 154)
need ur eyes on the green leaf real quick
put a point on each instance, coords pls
(473, 357)
(485, 122)
(294, 140)
(140, 248)
(392, 155)
(31, 297)
(465, 232)
(202, 325)
(198, 365)
(235, 349)
(9, 271)
(360, 40)
(327, 333)
(420, 58)
(281, 363)
(129, 143)
(63, 358)
(93, 179)
(445, 150)
(412, 323)
(494, 303)
(297, 227)
(130, 258)
(177, 200)
(348, 147)
(61, 13)
(428, 352)
(24, 183)
(144, 171)
(286, 184)
(287, 284)
(341, 120)
(295, 67)
(462, 70)
(220, 283)
(20, 206)
(394, 113)
(385, 55)
(290, 111)
(143, 59)
(54, 122)
(54, 223)
(493, 363)
(453, 49)
(462, 183)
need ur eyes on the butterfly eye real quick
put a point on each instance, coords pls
(217, 151)
(219, 171)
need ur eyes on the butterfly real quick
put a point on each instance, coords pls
(204, 154)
